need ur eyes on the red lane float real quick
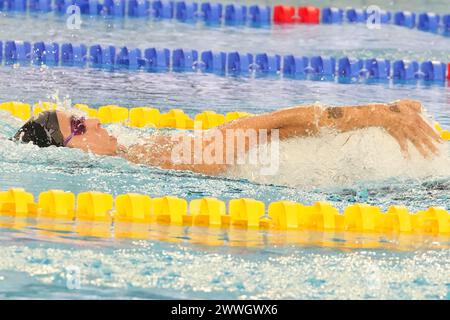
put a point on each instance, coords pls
(309, 15)
(448, 71)
(284, 14)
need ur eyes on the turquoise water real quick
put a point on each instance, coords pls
(199, 263)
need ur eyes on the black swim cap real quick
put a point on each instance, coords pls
(43, 131)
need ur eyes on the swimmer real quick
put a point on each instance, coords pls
(402, 119)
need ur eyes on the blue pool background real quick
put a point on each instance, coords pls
(33, 262)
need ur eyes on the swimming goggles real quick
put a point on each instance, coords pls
(77, 128)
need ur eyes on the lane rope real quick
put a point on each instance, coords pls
(344, 69)
(214, 14)
(243, 213)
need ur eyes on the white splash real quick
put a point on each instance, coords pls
(127, 136)
(345, 159)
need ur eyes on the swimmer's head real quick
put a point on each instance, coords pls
(62, 129)
(42, 131)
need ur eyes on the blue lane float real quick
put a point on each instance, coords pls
(23, 52)
(37, 53)
(17, 52)
(79, 55)
(45, 5)
(260, 15)
(350, 68)
(102, 56)
(184, 59)
(405, 19)
(356, 15)
(95, 55)
(66, 54)
(446, 23)
(163, 9)
(235, 14)
(212, 12)
(213, 61)
(294, 66)
(115, 8)
(157, 59)
(433, 70)
(378, 68)
(332, 15)
(122, 59)
(85, 5)
(238, 62)
(130, 59)
(18, 5)
(10, 52)
(385, 16)
(108, 56)
(154, 59)
(138, 8)
(428, 22)
(95, 8)
(186, 11)
(110, 7)
(51, 54)
(61, 6)
(135, 60)
(405, 70)
(268, 64)
(323, 66)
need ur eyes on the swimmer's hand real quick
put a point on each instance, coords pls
(405, 121)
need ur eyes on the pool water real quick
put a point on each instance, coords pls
(164, 262)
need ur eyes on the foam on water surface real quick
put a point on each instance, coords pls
(342, 160)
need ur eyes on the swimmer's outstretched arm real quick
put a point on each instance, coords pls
(402, 119)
